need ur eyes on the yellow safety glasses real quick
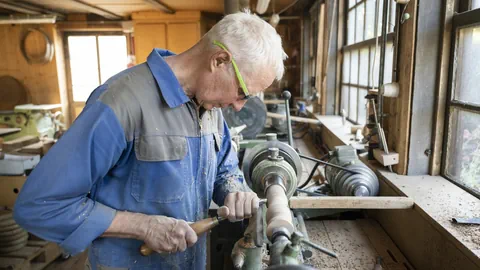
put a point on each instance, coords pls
(237, 72)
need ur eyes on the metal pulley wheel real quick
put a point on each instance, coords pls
(260, 153)
(12, 237)
(253, 115)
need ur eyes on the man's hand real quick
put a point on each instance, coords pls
(161, 234)
(239, 205)
(165, 234)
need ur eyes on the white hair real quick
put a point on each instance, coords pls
(253, 43)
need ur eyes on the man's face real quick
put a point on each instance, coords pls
(220, 87)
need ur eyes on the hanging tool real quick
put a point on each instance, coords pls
(199, 227)
(381, 133)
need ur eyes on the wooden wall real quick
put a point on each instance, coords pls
(41, 81)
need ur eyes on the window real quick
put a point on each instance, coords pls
(462, 149)
(358, 56)
(94, 59)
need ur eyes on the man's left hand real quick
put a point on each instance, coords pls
(239, 205)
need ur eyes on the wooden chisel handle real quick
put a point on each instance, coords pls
(199, 227)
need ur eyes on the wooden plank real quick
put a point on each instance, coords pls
(391, 256)
(345, 202)
(19, 143)
(293, 118)
(405, 75)
(320, 61)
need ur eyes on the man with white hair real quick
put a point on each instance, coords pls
(151, 150)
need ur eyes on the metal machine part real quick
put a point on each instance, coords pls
(363, 182)
(37, 120)
(253, 115)
(289, 168)
(286, 95)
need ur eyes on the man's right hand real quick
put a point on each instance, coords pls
(161, 234)
(168, 235)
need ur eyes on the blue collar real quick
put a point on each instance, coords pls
(171, 89)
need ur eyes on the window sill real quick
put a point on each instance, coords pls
(437, 200)
(340, 132)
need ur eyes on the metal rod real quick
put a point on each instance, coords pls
(381, 75)
(328, 164)
(319, 248)
(309, 192)
(286, 95)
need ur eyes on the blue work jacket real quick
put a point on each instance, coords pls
(139, 145)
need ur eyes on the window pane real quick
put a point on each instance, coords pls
(360, 22)
(346, 68)
(370, 20)
(352, 108)
(344, 105)
(388, 63)
(351, 27)
(113, 55)
(354, 67)
(475, 4)
(83, 66)
(467, 73)
(362, 107)
(463, 149)
(351, 3)
(363, 77)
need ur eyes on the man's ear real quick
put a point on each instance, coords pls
(220, 59)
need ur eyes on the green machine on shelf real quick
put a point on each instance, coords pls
(30, 119)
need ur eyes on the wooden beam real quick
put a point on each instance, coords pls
(32, 9)
(405, 80)
(294, 118)
(345, 202)
(441, 101)
(13, 7)
(160, 6)
(96, 10)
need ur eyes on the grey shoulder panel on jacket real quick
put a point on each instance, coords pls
(122, 96)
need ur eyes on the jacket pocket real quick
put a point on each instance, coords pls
(160, 172)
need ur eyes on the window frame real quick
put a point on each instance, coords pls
(76, 104)
(463, 19)
(365, 43)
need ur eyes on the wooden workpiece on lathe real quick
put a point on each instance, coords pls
(278, 211)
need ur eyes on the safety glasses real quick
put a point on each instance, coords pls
(237, 72)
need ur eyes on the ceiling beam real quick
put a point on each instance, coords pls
(17, 8)
(34, 8)
(96, 10)
(160, 6)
